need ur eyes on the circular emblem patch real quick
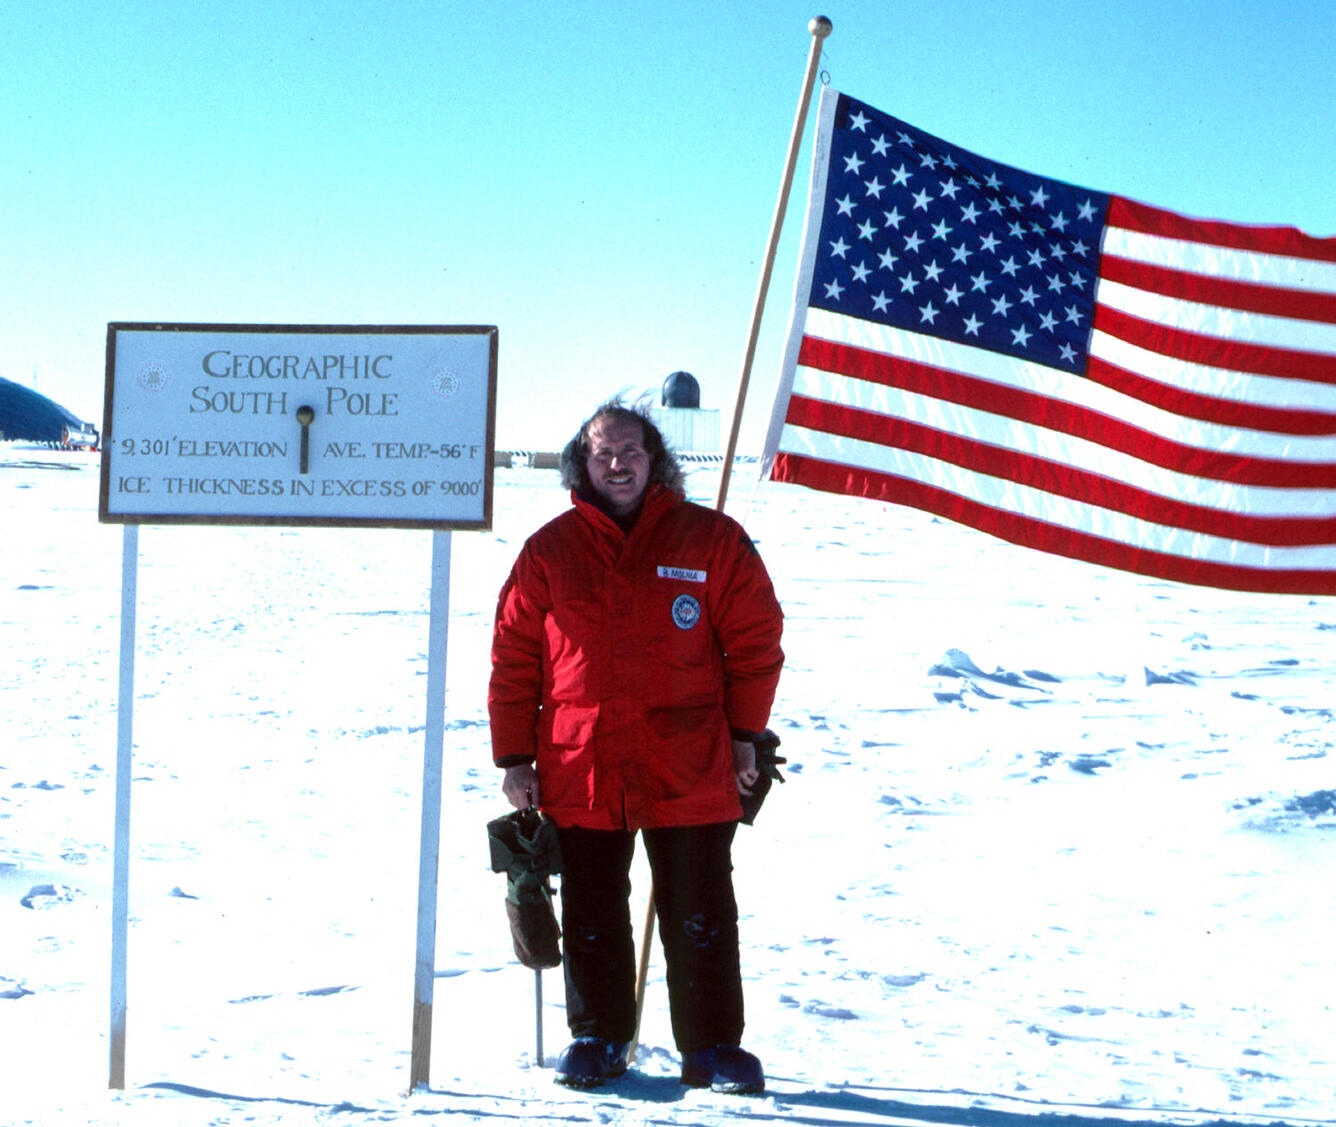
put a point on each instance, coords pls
(446, 384)
(686, 612)
(153, 377)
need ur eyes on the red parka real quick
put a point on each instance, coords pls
(620, 661)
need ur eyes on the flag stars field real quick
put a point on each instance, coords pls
(944, 203)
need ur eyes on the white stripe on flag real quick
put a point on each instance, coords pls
(1048, 508)
(1034, 441)
(1041, 380)
(1217, 320)
(1222, 262)
(1222, 383)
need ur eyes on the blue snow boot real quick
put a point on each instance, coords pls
(588, 1061)
(724, 1068)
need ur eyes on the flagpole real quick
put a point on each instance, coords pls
(820, 27)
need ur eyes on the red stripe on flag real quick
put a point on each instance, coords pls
(1134, 216)
(1057, 415)
(1057, 477)
(1217, 352)
(1029, 533)
(1225, 412)
(1274, 301)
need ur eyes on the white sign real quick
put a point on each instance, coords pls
(390, 426)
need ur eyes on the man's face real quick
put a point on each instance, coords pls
(618, 464)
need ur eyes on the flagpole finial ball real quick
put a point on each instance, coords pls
(819, 26)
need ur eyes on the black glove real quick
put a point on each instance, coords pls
(767, 767)
(767, 762)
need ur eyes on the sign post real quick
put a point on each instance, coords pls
(120, 902)
(424, 972)
(342, 426)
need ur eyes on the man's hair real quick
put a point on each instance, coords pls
(663, 465)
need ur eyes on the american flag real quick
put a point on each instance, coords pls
(1063, 368)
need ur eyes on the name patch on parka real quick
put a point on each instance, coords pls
(682, 574)
(686, 612)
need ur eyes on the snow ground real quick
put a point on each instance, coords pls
(1056, 841)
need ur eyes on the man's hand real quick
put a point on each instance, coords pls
(521, 786)
(744, 765)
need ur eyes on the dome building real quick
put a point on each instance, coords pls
(26, 414)
(688, 429)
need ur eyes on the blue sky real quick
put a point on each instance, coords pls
(595, 179)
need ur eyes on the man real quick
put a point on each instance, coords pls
(635, 657)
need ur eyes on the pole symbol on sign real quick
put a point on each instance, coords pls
(305, 416)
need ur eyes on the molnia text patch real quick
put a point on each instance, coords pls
(682, 574)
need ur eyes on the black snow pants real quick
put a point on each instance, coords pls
(698, 924)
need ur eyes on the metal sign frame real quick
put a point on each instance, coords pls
(224, 424)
